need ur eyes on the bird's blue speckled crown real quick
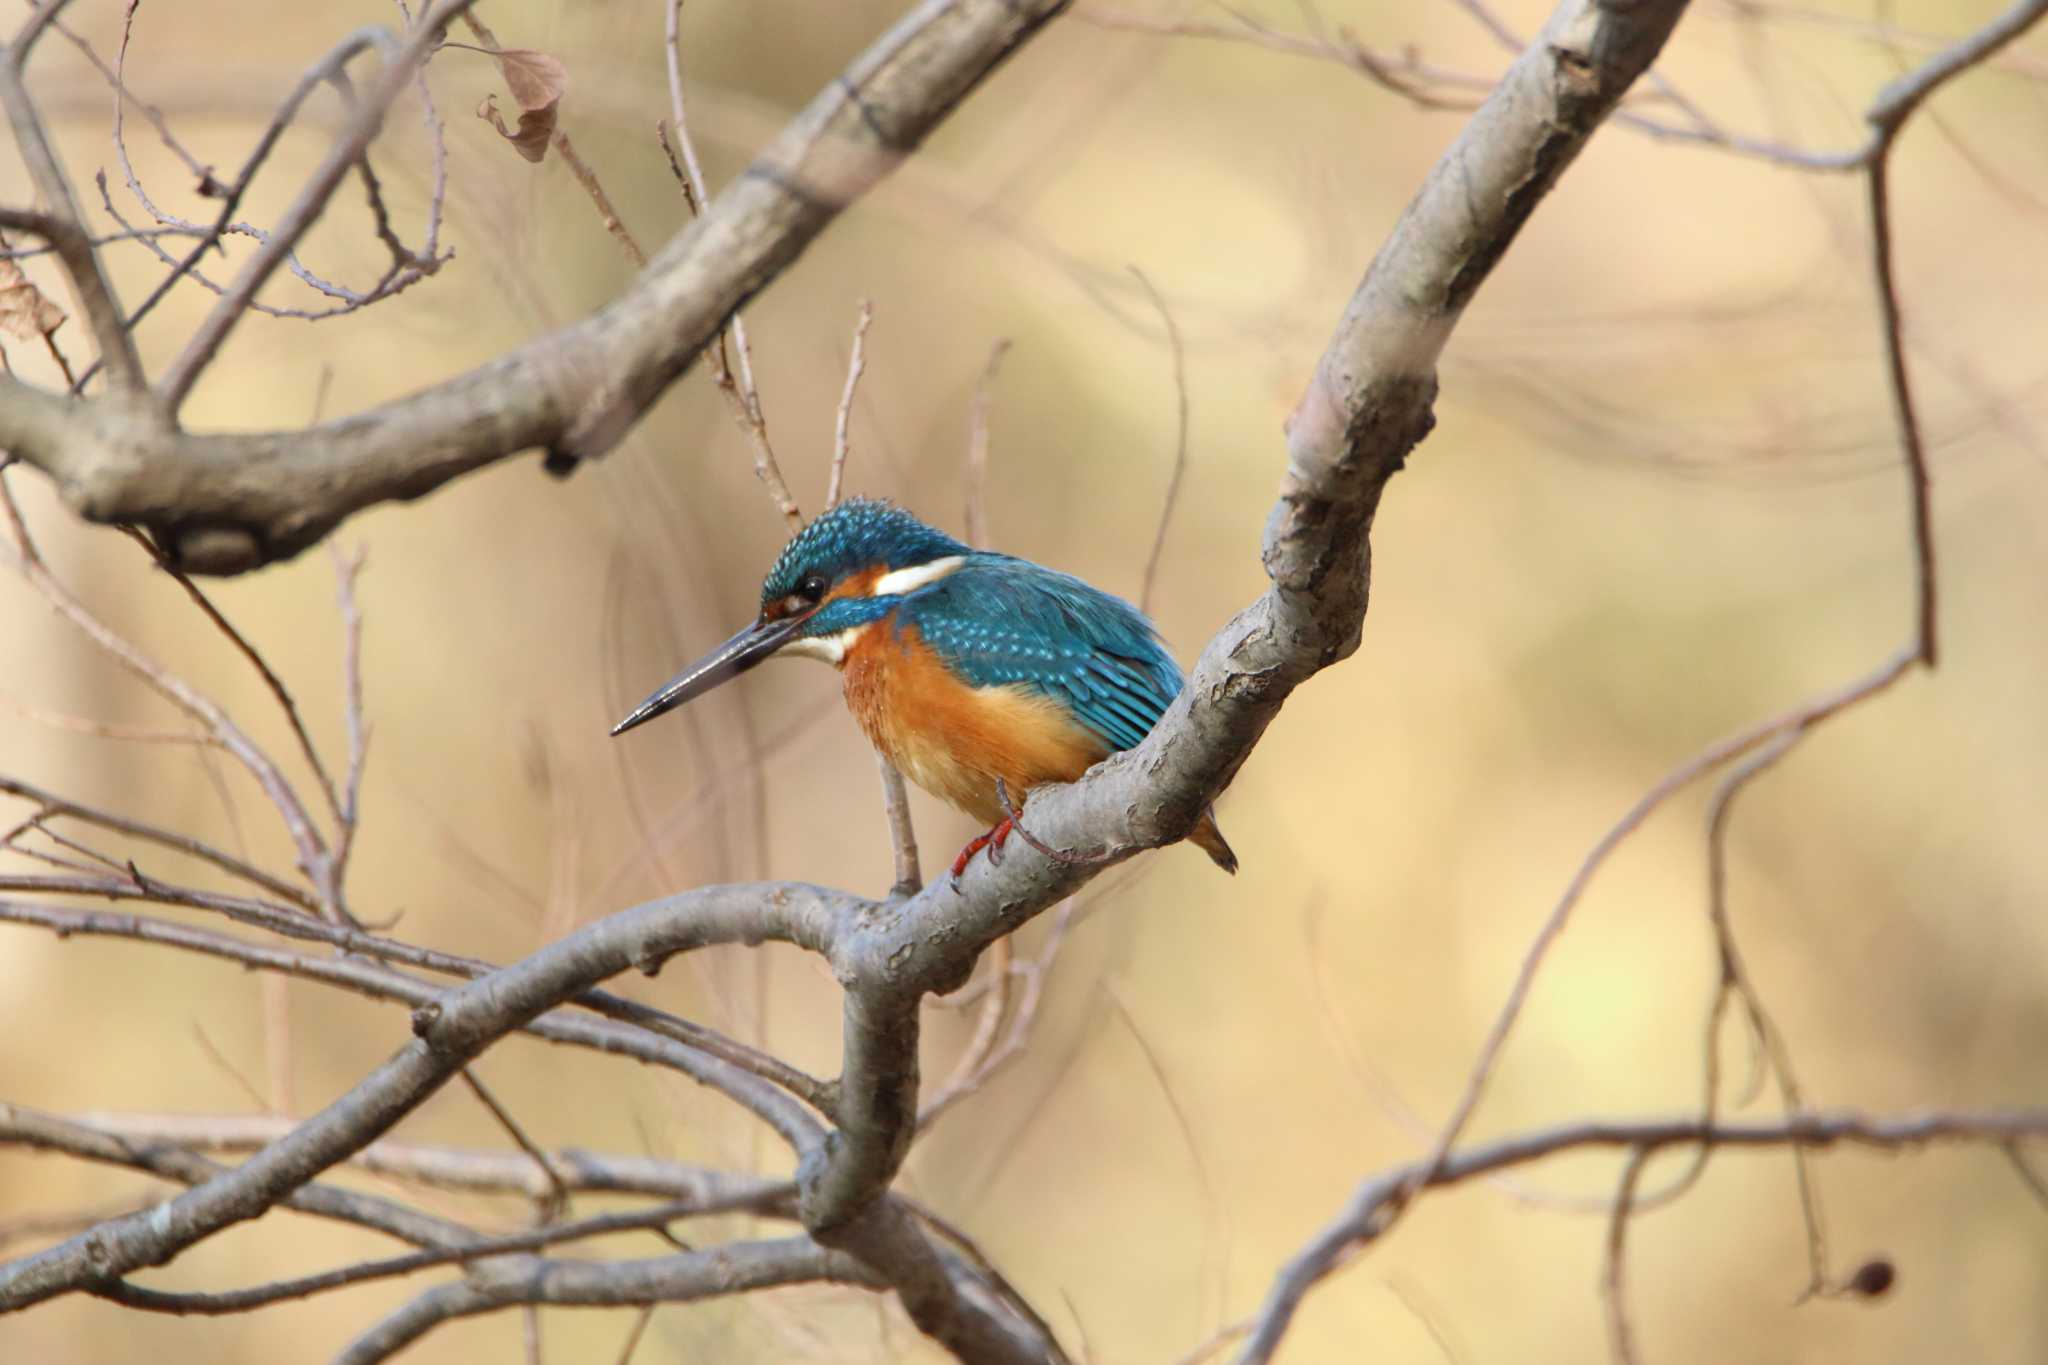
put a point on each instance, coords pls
(860, 533)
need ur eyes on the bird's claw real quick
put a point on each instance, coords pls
(992, 841)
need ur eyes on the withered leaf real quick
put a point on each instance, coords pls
(536, 128)
(24, 309)
(537, 81)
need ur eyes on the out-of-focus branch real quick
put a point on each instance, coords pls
(54, 806)
(779, 1111)
(1180, 440)
(469, 1170)
(450, 1030)
(734, 1268)
(63, 228)
(1365, 1217)
(742, 396)
(21, 1126)
(229, 502)
(977, 446)
(305, 1286)
(1781, 732)
(348, 150)
(842, 444)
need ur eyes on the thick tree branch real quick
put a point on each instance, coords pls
(224, 503)
(1367, 407)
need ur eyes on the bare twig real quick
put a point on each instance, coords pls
(1405, 74)
(1797, 720)
(55, 806)
(1180, 443)
(854, 368)
(608, 215)
(741, 393)
(348, 817)
(556, 1202)
(271, 682)
(1367, 1215)
(62, 225)
(227, 502)
(983, 1057)
(578, 167)
(1619, 1332)
(305, 1286)
(314, 857)
(977, 446)
(348, 149)
(467, 1170)
(795, 1124)
(902, 836)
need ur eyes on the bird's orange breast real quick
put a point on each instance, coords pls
(952, 739)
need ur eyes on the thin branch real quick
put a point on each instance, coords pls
(61, 226)
(977, 446)
(1404, 73)
(25, 1127)
(305, 1286)
(467, 1170)
(1180, 443)
(556, 1200)
(734, 1268)
(349, 148)
(271, 682)
(902, 836)
(608, 215)
(347, 570)
(60, 807)
(791, 1121)
(230, 501)
(451, 1029)
(1367, 1215)
(855, 366)
(1619, 1333)
(743, 397)
(313, 854)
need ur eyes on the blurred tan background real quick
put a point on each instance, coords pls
(1662, 500)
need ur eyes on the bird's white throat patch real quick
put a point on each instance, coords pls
(829, 649)
(897, 582)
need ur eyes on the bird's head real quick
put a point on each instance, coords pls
(837, 576)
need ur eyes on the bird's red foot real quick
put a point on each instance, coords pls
(992, 841)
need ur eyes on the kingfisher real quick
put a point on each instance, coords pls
(963, 666)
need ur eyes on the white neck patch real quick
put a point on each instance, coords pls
(897, 582)
(829, 649)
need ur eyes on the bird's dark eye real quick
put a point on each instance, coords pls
(812, 588)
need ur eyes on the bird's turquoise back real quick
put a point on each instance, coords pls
(1000, 621)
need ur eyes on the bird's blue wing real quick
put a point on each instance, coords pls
(998, 621)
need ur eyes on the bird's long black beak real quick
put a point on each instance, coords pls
(723, 664)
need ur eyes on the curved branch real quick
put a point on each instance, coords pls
(732, 1269)
(1365, 1216)
(229, 502)
(1368, 405)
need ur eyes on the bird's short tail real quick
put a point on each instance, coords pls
(1208, 838)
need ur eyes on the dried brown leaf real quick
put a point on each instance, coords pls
(537, 81)
(25, 311)
(536, 128)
